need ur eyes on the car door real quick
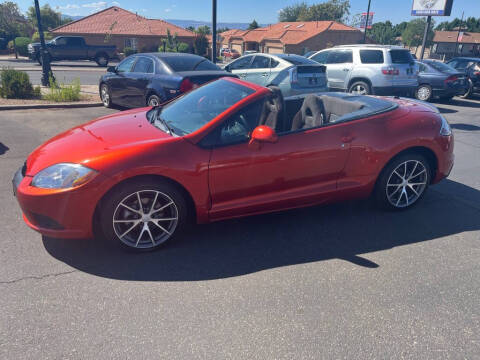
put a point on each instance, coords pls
(75, 49)
(118, 83)
(240, 66)
(301, 168)
(59, 48)
(407, 70)
(137, 81)
(259, 71)
(339, 67)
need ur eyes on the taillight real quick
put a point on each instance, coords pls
(476, 73)
(390, 71)
(451, 78)
(294, 75)
(186, 85)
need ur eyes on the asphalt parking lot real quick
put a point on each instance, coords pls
(340, 281)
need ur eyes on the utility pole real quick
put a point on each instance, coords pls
(425, 34)
(45, 57)
(366, 24)
(458, 34)
(214, 31)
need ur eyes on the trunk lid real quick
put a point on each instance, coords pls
(309, 76)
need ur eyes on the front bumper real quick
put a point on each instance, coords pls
(63, 213)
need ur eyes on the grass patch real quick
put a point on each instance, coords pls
(62, 92)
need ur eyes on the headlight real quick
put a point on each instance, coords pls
(63, 176)
(445, 130)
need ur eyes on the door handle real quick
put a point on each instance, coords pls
(346, 69)
(347, 139)
(264, 74)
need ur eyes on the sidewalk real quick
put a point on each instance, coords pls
(26, 64)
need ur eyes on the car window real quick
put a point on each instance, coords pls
(321, 57)
(242, 63)
(274, 63)
(401, 57)
(61, 41)
(143, 65)
(198, 107)
(453, 63)
(260, 62)
(238, 128)
(371, 56)
(126, 65)
(422, 67)
(74, 41)
(439, 66)
(340, 57)
(187, 63)
(206, 65)
(296, 59)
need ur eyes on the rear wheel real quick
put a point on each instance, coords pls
(101, 59)
(424, 92)
(360, 88)
(403, 182)
(143, 215)
(153, 100)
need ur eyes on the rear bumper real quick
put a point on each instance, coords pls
(394, 90)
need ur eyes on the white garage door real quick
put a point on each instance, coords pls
(274, 50)
(237, 47)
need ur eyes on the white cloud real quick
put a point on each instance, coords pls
(168, 10)
(95, 5)
(68, 6)
(115, 3)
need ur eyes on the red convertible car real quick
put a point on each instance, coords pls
(228, 149)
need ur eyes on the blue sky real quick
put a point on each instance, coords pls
(264, 11)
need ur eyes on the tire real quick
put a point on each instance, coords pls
(106, 96)
(153, 100)
(101, 59)
(391, 194)
(469, 92)
(424, 92)
(360, 88)
(136, 228)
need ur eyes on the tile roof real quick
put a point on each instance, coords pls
(117, 21)
(451, 36)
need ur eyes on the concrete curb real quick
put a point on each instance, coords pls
(50, 106)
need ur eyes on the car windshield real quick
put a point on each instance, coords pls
(297, 59)
(437, 65)
(189, 63)
(196, 108)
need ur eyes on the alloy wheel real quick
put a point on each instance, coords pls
(153, 101)
(423, 93)
(145, 219)
(105, 95)
(406, 183)
(359, 89)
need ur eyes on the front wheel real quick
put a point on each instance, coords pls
(469, 92)
(360, 88)
(105, 96)
(403, 182)
(101, 60)
(424, 92)
(142, 216)
(153, 100)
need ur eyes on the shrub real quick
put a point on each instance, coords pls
(46, 35)
(21, 43)
(16, 85)
(129, 51)
(183, 47)
(62, 92)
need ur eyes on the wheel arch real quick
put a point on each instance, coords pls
(359, 78)
(192, 211)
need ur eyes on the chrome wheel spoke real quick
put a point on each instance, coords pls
(131, 209)
(404, 190)
(163, 207)
(129, 229)
(160, 226)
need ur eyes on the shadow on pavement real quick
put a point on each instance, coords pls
(3, 148)
(243, 246)
(464, 102)
(465, 127)
(446, 110)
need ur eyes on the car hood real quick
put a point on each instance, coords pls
(89, 144)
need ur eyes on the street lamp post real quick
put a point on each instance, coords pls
(425, 34)
(46, 69)
(214, 31)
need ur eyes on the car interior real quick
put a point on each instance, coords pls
(304, 112)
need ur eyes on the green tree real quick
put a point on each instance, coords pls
(292, 12)
(191, 28)
(50, 18)
(336, 10)
(253, 25)
(413, 33)
(204, 29)
(383, 33)
(200, 44)
(12, 22)
(470, 24)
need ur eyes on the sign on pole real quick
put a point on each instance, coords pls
(363, 20)
(432, 7)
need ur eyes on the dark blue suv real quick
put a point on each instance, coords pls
(471, 67)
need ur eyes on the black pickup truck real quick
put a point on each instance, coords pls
(73, 48)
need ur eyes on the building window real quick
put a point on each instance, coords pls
(131, 43)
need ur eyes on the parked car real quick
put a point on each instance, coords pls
(369, 69)
(227, 149)
(471, 68)
(230, 53)
(438, 80)
(153, 78)
(293, 74)
(249, 52)
(73, 48)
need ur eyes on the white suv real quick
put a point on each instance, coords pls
(369, 69)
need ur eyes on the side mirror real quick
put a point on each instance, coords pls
(112, 69)
(262, 134)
